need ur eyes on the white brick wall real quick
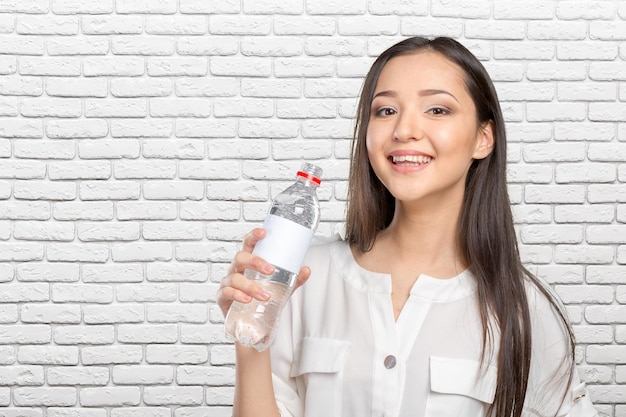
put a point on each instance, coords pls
(140, 139)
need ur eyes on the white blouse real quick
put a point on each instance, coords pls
(340, 352)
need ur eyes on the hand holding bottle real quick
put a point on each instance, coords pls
(236, 287)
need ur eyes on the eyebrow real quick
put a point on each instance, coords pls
(421, 93)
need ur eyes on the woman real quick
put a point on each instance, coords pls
(425, 309)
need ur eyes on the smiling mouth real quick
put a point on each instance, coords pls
(411, 160)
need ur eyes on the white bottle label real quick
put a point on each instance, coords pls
(285, 243)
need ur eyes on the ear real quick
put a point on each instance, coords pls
(484, 140)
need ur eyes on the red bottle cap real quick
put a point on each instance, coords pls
(309, 177)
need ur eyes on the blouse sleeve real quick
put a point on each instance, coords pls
(288, 400)
(552, 389)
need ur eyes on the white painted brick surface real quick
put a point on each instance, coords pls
(141, 139)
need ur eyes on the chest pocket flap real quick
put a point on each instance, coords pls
(319, 355)
(463, 377)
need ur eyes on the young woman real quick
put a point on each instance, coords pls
(424, 309)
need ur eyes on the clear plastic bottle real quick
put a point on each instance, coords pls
(290, 225)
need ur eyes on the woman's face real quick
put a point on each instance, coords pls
(423, 132)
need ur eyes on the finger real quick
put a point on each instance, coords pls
(248, 287)
(251, 239)
(245, 260)
(303, 276)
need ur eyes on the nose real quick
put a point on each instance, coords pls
(408, 127)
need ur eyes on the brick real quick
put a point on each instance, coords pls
(89, 335)
(595, 213)
(104, 355)
(146, 292)
(532, 173)
(547, 71)
(45, 313)
(76, 87)
(190, 210)
(571, 254)
(584, 131)
(45, 231)
(173, 231)
(527, 50)
(203, 334)
(176, 25)
(21, 45)
(586, 50)
(192, 293)
(204, 45)
(21, 375)
(203, 375)
(112, 273)
(25, 210)
(49, 66)
(589, 172)
(607, 71)
(213, 7)
(273, 7)
(113, 66)
(80, 293)
(48, 355)
(561, 274)
(590, 10)
(177, 66)
(177, 272)
(21, 252)
(323, 46)
(111, 25)
(551, 234)
(153, 333)
(207, 87)
(192, 395)
(146, 210)
(8, 65)
(187, 107)
(536, 10)
(332, 88)
(112, 314)
(83, 210)
(612, 112)
(241, 67)
(143, 45)
(173, 190)
(21, 86)
(589, 294)
(595, 374)
(267, 47)
(561, 152)
(239, 25)
(143, 375)
(244, 107)
(609, 31)
(306, 108)
(109, 231)
(179, 149)
(289, 150)
(141, 412)
(145, 169)
(525, 91)
(302, 67)
(79, 170)
(209, 170)
(29, 334)
(268, 128)
(21, 128)
(485, 29)
(541, 112)
(47, 25)
(353, 67)
(118, 107)
(309, 25)
(606, 354)
(542, 30)
(63, 375)
(238, 149)
(146, 6)
(141, 87)
(188, 313)
(110, 396)
(149, 128)
(75, 129)
(45, 396)
(604, 234)
(222, 355)
(40, 190)
(109, 149)
(82, 6)
(576, 91)
(142, 252)
(8, 313)
(606, 193)
(202, 252)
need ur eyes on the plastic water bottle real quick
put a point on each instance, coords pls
(290, 225)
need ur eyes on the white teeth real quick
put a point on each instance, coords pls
(415, 159)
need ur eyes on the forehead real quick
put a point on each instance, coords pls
(423, 69)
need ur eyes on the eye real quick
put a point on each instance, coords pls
(438, 111)
(385, 111)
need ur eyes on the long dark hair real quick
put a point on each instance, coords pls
(485, 236)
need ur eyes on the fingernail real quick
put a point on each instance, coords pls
(268, 269)
(264, 295)
(247, 298)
